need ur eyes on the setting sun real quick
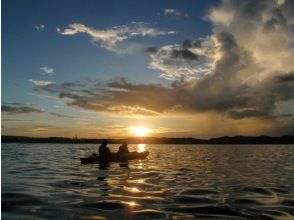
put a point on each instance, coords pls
(140, 131)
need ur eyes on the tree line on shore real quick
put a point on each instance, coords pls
(287, 139)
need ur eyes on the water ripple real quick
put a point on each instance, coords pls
(47, 181)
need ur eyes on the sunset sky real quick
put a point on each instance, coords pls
(147, 68)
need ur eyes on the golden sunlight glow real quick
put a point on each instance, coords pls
(132, 204)
(132, 189)
(140, 131)
(141, 147)
(141, 180)
(135, 189)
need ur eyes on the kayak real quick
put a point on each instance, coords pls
(115, 157)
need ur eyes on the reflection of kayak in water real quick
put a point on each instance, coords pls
(115, 157)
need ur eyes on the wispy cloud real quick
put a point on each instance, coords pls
(47, 70)
(113, 97)
(60, 115)
(40, 27)
(175, 13)
(114, 130)
(16, 120)
(110, 38)
(39, 129)
(19, 108)
(40, 82)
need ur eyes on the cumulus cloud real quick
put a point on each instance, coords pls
(175, 13)
(39, 129)
(19, 108)
(40, 82)
(264, 29)
(47, 70)
(40, 27)
(246, 65)
(110, 38)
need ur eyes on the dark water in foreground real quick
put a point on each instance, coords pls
(47, 181)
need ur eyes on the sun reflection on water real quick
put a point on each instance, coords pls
(97, 218)
(141, 147)
(135, 189)
(132, 203)
(141, 181)
(140, 165)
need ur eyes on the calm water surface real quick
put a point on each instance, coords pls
(47, 181)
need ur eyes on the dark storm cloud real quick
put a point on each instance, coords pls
(264, 97)
(283, 128)
(276, 21)
(192, 44)
(177, 53)
(245, 114)
(189, 59)
(251, 9)
(151, 49)
(183, 53)
(286, 77)
(288, 9)
(197, 43)
(187, 44)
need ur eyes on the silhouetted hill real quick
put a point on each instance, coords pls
(289, 139)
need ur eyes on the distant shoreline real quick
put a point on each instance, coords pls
(288, 139)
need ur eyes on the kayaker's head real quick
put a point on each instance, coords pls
(104, 142)
(124, 145)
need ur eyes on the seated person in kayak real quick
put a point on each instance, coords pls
(103, 149)
(123, 149)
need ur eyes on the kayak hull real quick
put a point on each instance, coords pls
(115, 157)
